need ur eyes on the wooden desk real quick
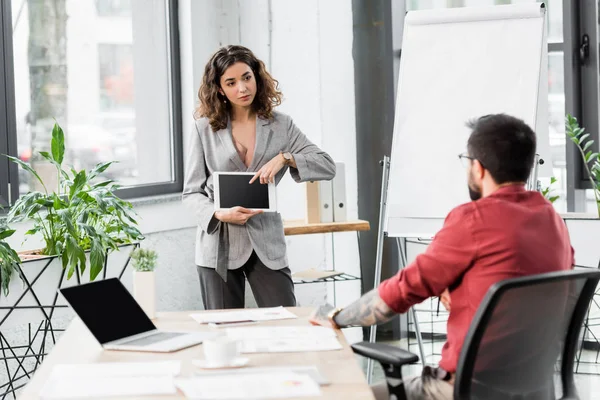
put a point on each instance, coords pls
(300, 227)
(77, 345)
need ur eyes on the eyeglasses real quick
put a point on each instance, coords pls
(466, 160)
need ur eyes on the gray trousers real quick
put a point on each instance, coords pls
(271, 288)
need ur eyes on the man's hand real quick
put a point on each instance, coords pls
(269, 170)
(445, 299)
(319, 316)
(236, 215)
(366, 311)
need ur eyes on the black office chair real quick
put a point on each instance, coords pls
(514, 341)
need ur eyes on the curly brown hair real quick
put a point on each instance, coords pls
(212, 104)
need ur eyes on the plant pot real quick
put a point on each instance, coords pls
(36, 299)
(144, 291)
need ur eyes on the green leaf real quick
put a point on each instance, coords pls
(77, 256)
(103, 183)
(553, 199)
(65, 257)
(58, 144)
(58, 203)
(78, 184)
(5, 234)
(27, 168)
(592, 157)
(587, 145)
(96, 259)
(582, 138)
(553, 180)
(100, 168)
(47, 156)
(33, 230)
(67, 218)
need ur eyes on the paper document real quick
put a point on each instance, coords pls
(285, 339)
(77, 381)
(310, 370)
(280, 332)
(249, 385)
(253, 314)
(289, 345)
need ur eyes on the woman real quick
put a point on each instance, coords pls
(236, 129)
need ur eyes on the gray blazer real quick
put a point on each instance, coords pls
(220, 243)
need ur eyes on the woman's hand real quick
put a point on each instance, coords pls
(236, 215)
(269, 170)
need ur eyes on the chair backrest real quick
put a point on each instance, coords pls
(520, 329)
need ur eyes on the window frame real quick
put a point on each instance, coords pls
(9, 187)
(9, 184)
(581, 100)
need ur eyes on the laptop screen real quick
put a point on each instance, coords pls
(108, 310)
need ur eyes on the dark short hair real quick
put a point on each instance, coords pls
(504, 145)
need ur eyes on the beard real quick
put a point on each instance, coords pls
(474, 191)
(474, 194)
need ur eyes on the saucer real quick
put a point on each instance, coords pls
(237, 362)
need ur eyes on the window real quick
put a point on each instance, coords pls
(108, 72)
(556, 92)
(113, 8)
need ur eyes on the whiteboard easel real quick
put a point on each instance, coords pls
(457, 64)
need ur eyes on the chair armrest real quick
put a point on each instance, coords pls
(385, 353)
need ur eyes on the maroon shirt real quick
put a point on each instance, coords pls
(511, 233)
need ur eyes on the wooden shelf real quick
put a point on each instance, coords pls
(300, 227)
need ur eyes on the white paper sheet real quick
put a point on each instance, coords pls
(310, 370)
(254, 314)
(280, 332)
(285, 339)
(289, 345)
(75, 381)
(251, 385)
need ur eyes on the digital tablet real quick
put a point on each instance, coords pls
(233, 189)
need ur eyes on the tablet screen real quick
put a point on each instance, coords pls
(234, 190)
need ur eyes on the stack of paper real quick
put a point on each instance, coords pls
(249, 385)
(111, 379)
(253, 314)
(284, 339)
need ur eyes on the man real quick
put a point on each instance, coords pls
(505, 232)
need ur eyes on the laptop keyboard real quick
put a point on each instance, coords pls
(158, 337)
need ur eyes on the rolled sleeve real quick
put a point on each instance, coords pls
(446, 259)
(312, 163)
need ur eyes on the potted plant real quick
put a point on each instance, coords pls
(144, 289)
(82, 223)
(83, 214)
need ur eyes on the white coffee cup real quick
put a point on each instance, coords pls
(221, 350)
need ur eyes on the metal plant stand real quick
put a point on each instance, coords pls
(20, 360)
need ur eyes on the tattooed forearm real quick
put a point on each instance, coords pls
(366, 311)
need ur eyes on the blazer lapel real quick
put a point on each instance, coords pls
(227, 140)
(263, 136)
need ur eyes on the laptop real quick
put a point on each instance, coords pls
(118, 322)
